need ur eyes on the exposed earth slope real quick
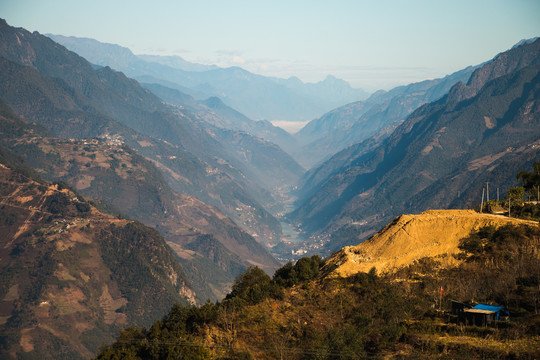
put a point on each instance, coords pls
(433, 233)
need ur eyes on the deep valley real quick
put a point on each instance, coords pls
(149, 209)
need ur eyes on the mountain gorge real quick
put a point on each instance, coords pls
(439, 157)
(110, 172)
(182, 162)
(214, 112)
(193, 159)
(119, 199)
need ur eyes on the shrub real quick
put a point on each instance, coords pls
(252, 286)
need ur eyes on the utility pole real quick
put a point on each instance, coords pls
(487, 191)
(497, 194)
(509, 202)
(482, 203)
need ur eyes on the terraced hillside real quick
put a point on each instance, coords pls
(72, 276)
(107, 170)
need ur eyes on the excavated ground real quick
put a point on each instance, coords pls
(433, 233)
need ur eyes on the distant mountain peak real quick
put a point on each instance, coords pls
(330, 77)
(86, 39)
(295, 80)
(114, 55)
(177, 62)
(333, 81)
(213, 102)
(525, 42)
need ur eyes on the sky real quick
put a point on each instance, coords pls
(375, 44)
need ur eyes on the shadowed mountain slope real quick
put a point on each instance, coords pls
(375, 117)
(439, 157)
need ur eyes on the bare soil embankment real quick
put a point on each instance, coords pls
(433, 233)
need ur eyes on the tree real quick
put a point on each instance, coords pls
(305, 269)
(531, 180)
(252, 286)
(308, 268)
(516, 195)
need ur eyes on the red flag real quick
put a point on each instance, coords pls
(441, 290)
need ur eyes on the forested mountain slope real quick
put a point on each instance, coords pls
(306, 311)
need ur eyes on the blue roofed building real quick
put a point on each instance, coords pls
(483, 314)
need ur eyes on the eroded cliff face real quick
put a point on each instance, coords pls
(433, 233)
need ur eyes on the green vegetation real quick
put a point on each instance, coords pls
(305, 269)
(300, 314)
(142, 279)
(252, 287)
(503, 263)
(521, 201)
(531, 181)
(162, 340)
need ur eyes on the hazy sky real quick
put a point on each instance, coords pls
(372, 44)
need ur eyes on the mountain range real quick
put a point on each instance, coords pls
(179, 162)
(213, 111)
(68, 92)
(124, 182)
(439, 157)
(373, 118)
(258, 97)
(84, 149)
